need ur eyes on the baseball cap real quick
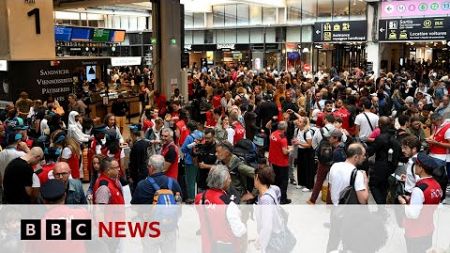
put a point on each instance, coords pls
(53, 190)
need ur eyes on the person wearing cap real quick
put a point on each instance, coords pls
(53, 192)
(239, 170)
(73, 188)
(137, 169)
(22, 129)
(191, 169)
(51, 155)
(96, 145)
(11, 152)
(419, 224)
(107, 188)
(19, 181)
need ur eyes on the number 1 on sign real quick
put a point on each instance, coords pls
(37, 19)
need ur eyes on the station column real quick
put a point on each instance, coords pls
(26, 30)
(166, 39)
(373, 46)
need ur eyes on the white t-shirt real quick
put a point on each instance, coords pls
(364, 128)
(66, 153)
(340, 174)
(411, 177)
(230, 135)
(301, 137)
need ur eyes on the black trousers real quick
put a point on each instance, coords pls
(379, 189)
(282, 180)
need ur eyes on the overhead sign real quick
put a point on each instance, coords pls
(414, 8)
(228, 46)
(340, 31)
(3, 65)
(414, 29)
(125, 61)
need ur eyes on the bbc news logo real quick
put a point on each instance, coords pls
(56, 229)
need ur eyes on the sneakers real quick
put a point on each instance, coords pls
(306, 190)
(293, 181)
(286, 202)
(298, 187)
(309, 202)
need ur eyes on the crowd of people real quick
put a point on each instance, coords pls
(254, 132)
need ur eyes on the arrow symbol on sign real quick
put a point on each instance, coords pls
(382, 30)
(318, 31)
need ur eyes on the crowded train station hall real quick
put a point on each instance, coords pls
(280, 102)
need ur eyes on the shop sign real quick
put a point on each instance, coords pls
(3, 65)
(340, 31)
(125, 61)
(414, 29)
(225, 46)
(414, 8)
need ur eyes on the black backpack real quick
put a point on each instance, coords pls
(348, 195)
(246, 150)
(325, 151)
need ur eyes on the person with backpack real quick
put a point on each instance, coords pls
(148, 189)
(241, 173)
(342, 173)
(366, 121)
(387, 151)
(324, 153)
(165, 195)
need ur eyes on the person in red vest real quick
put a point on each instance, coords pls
(439, 142)
(239, 130)
(170, 152)
(419, 224)
(71, 154)
(217, 230)
(279, 158)
(182, 131)
(107, 188)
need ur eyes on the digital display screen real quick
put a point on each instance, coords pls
(118, 36)
(63, 33)
(101, 35)
(81, 34)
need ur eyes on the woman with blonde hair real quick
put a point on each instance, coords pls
(71, 154)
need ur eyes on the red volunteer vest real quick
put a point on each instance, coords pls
(184, 132)
(216, 220)
(424, 224)
(439, 136)
(239, 132)
(74, 164)
(173, 169)
(116, 192)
